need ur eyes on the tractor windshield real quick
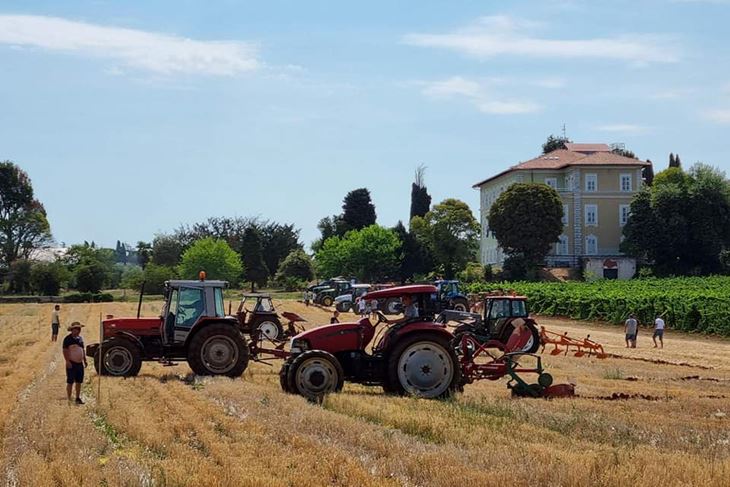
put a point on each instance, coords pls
(519, 308)
(219, 305)
(190, 308)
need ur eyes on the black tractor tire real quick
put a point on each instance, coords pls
(327, 301)
(344, 306)
(122, 358)
(314, 374)
(535, 338)
(443, 356)
(283, 377)
(460, 304)
(218, 349)
(275, 330)
(392, 306)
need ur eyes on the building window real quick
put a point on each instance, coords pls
(552, 182)
(626, 185)
(591, 245)
(571, 182)
(565, 214)
(623, 214)
(591, 183)
(591, 212)
(562, 246)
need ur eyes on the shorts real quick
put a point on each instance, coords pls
(54, 328)
(658, 333)
(75, 374)
(631, 336)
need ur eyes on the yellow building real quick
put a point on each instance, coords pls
(596, 187)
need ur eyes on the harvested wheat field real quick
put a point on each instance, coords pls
(648, 417)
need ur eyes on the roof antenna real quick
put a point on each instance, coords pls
(564, 131)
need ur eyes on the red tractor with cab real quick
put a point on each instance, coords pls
(412, 355)
(192, 326)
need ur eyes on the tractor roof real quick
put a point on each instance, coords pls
(394, 292)
(256, 295)
(507, 296)
(194, 283)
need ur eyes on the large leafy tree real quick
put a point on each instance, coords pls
(91, 267)
(297, 265)
(166, 250)
(255, 270)
(278, 241)
(358, 210)
(23, 223)
(415, 258)
(450, 232)
(215, 257)
(420, 199)
(526, 220)
(682, 223)
(370, 254)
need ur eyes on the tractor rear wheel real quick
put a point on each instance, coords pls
(392, 306)
(315, 373)
(327, 301)
(283, 377)
(218, 349)
(270, 329)
(122, 358)
(423, 366)
(460, 304)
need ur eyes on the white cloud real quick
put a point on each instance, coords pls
(476, 93)
(717, 115)
(134, 49)
(624, 128)
(503, 35)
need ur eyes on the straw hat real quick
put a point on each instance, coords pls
(75, 324)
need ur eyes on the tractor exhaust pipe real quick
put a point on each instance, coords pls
(139, 305)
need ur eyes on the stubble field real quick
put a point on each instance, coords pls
(167, 428)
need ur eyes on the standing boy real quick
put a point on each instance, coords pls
(75, 357)
(55, 322)
(631, 328)
(658, 331)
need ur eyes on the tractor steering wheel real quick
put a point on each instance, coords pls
(381, 318)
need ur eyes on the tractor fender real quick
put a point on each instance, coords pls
(411, 328)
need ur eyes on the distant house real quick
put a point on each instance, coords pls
(596, 186)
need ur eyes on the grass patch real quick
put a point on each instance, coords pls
(614, 374)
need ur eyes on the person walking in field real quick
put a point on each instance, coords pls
(362, 307)
(55, 322)
(658, 331)
(75, 357)
(335, 318)
(306, 298)
(631, 328)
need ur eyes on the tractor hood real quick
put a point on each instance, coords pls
(396, 292)
(136, 326)
(335, 338)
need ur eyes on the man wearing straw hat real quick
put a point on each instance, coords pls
(75, 356)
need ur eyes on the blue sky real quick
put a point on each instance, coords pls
(134, 117)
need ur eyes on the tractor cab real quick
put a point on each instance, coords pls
(500, 310)
(451, 296)
(186, 303)
(256, 314)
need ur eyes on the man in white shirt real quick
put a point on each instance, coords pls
(659, 331)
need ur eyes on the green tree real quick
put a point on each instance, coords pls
(526, 220)
(554, 143)
(253, 260)
(144, 253)
(90, 276)
(420, 199)
(97, 266)
(450, 233)
(674, 161)
(215, 257)
(19, 276)
(154, 277)
(23, 223)
(358, 210)
(415, 258)
(296, 265)
(370, 254)
(166, 250)
(277, 242)
(647, 173)
(132, 277)
(624, 152)
(48, 277)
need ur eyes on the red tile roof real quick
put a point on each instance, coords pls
(562, 158)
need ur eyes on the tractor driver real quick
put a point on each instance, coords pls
(410, 310)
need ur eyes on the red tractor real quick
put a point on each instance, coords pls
(412, 356)
(263, 322)
(417, 354)
(192, 326)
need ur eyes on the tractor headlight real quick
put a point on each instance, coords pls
(298, 345)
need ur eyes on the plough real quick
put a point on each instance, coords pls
(582, 346)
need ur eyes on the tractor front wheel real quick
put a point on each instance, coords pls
(423, 366)
(460, 304)
(327, 301)
(218, 349)
(313, 374)
(122, 358)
